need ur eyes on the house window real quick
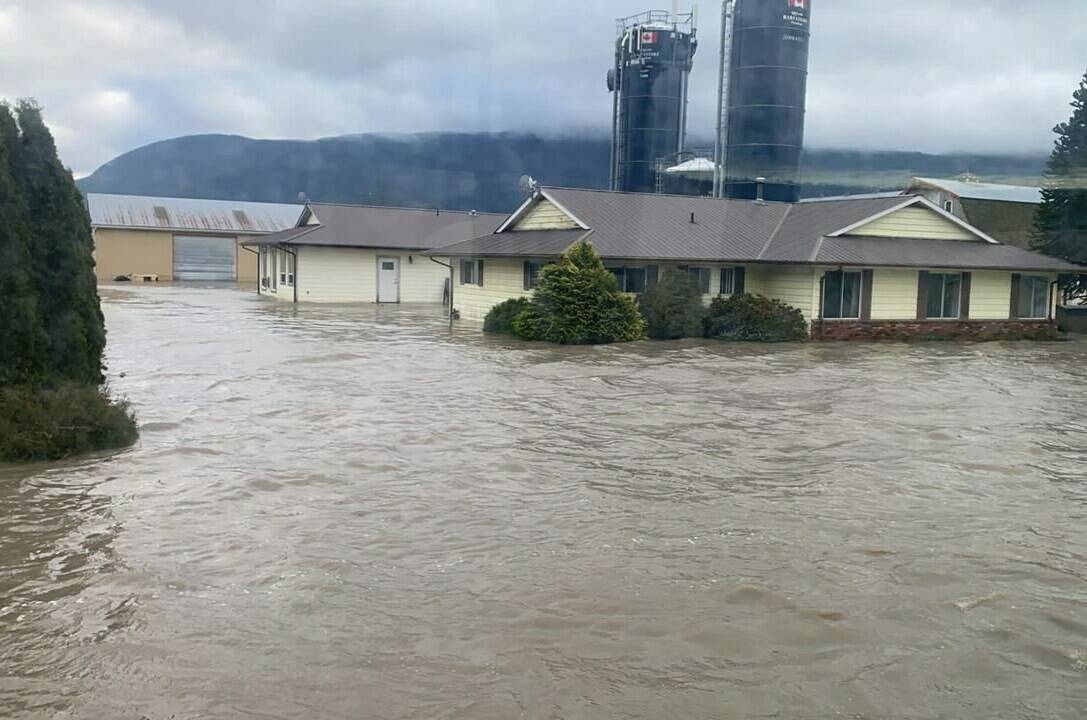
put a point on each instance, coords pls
(1033, 297)
(728, 281)
(532, 274)
(949, 205)
(943, 296)
(471, 272)
(842, 295)
(632, 279)
(702, 274)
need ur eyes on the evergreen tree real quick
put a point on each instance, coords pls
(21, 333)
(61, 250)
(577, 302)
(1061, 222)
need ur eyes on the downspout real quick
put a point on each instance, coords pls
(451, 285)
(819, 315)
(247, 249)
(1053, 288)
(294, 284)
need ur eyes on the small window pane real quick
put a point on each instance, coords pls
(388, 266)
(1033, 297)
(728, 281)
(635, 280)
(934, 290)
(702, 275)
(851, 295)
(469, 272)
(832, 295)
(1041, 297)
(620, 276)
(952, 295)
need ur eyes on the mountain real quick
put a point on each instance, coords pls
(465, 171)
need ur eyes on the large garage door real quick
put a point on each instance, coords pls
(204, 258)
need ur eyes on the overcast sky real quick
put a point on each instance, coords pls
(930, 75)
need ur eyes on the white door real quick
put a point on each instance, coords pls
(388, 280)
(205, 258)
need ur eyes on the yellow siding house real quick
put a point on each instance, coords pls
(871, 267)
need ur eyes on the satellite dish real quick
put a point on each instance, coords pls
(302, 197)
(528, 184)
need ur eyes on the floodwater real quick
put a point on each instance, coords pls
(356, 513)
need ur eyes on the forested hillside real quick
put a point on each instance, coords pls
(463, 171)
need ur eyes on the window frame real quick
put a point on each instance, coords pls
(701, 272)
(622, 276)
(477, 271)
(841, 299)
(1032, 281)
(943, 316)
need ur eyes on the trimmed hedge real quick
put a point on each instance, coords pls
(754, 318)
(673, 307)
(56, 423)
(578, 302)
(500, 319)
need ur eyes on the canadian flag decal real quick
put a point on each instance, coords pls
(798, 4)
(650, 38)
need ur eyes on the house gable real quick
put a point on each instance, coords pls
(916, 218)
(545, 215)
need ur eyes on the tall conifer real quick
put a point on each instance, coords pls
(1060, 226)
(61, 249)
(21, 333)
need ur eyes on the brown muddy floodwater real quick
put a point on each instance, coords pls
(355, 513)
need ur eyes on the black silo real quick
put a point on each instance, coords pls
(767, 95)
(653, 59)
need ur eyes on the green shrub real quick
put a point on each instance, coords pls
(500, 319)
(578, 302)
(51, 424)
(673, 307)
(754, 318)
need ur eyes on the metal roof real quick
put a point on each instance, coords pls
(367, 226)
(185, 214)
(658, 227)
(982, 191)
(925, 253)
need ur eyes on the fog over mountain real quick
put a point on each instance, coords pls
(465, 170)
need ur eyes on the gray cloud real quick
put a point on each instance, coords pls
(932, 75)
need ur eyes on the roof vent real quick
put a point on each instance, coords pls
(162, 215)
(243, 219)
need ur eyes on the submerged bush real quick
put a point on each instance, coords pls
(55, 423)
(754, 318)
(500, 319)
(578, 302)
(673, 307)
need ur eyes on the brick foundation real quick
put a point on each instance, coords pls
(899, 330)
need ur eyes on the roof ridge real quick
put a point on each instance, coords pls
(774, 232)
(431, 210)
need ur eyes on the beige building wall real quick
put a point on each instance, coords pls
(915, 222)
(794, 285)
(246, 265)
(894, 294)
(990, 295)
(151, 252)
(349, 275)
(129, 252)
(503, 279)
